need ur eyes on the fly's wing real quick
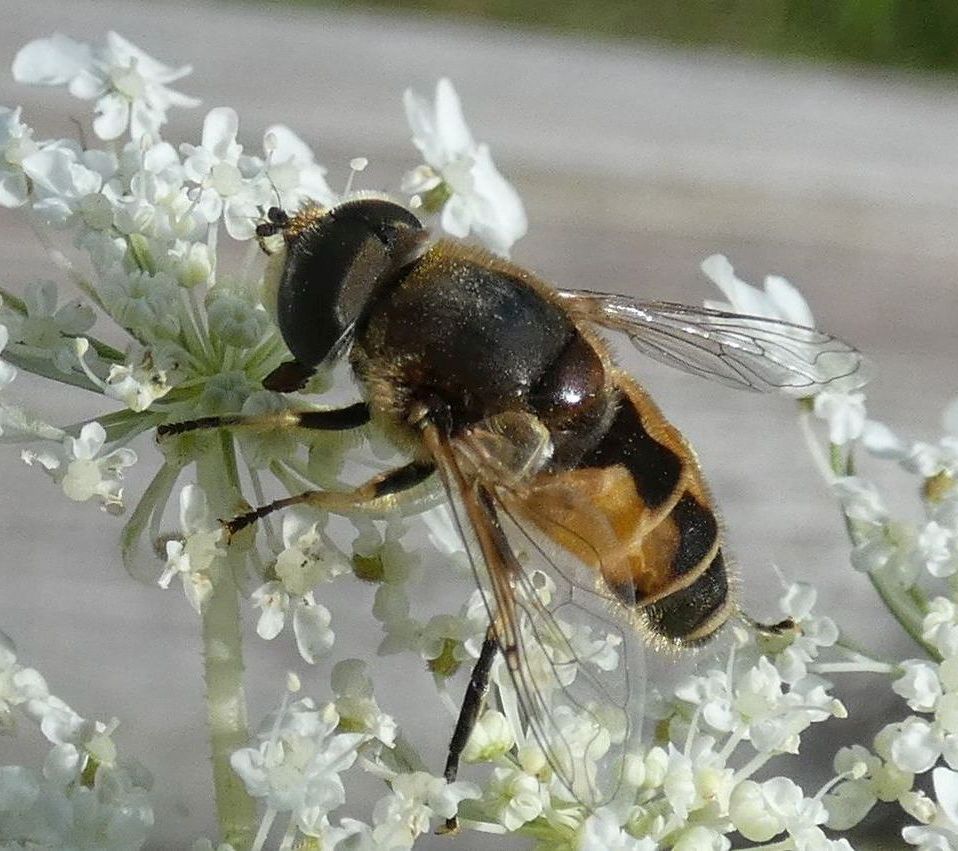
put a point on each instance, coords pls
(746, 352)
(572, 690)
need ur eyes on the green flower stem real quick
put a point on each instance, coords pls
(223, 657)
(151, 502)
(903, 606)
(45, 368)
(897, 598)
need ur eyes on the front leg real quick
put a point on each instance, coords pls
(333, 419)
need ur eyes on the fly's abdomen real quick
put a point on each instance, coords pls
(636, 509)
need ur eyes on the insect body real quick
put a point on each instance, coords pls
(504, 369)
(501, 385)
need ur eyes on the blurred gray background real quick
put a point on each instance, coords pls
(635, 162)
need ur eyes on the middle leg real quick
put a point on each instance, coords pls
(379, 493)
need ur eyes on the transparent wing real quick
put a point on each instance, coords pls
(573, 693)
(746, 352)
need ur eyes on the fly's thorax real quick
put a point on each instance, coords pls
(576, 399)
(465, 329)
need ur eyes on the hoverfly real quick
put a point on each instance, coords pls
(500, 385)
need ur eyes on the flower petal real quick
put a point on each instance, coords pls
(111, 115)
(313, 635)
(51, 61)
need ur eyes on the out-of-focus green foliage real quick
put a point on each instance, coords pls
(921, 34)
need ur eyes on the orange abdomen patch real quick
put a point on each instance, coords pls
(637, 510)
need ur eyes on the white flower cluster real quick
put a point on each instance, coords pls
(303, 751)
(83, 796)
(145, 215)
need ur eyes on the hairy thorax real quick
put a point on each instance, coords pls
(480, 337)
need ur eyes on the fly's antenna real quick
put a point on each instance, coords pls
(269, 177)
(275, 218)
(356, 165)
(275, 221)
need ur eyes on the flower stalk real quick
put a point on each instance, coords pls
(223, 658)
(896, 597)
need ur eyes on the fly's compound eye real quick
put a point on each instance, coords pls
(332, 268)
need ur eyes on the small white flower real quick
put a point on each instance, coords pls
(515, 797)
(937, 547)
(310, 619)
(814, 632)
(128, 85)
(601, 831)
(296, 768)
(916, 745)
(416, 799)
(293, 170)
(872, 779)
(7, 371)
(18, 685)
(861, 500)
(16, 144)
(311, 622)
(940, 626)
(46, 330)
(215, 166)
(844, 413)
(491, 737)
(137, 384)
(925, 459)
(481, 200)
(197, 557)
(356, 705)
(310, 557)
(780, 299)
(942, 833)
(751, 813)
(81, 474)
(919, 685)
(274, 602)
(699, 838)
(66, 181)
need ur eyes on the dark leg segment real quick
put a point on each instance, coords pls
(368, 494)
(337, 419)
(471, 705)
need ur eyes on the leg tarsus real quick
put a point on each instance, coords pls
(783, 627)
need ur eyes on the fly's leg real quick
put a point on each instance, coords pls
(334, 419)
(770, 630)
(383, 492)
(471, 705)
